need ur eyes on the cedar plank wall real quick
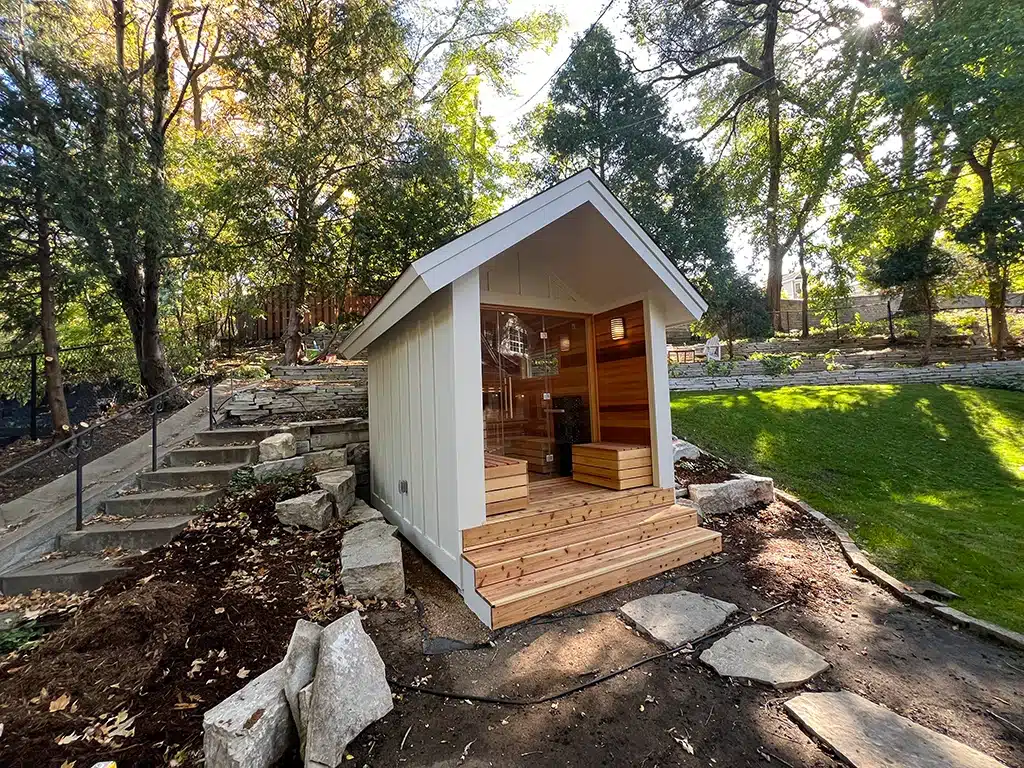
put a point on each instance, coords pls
(622, 378)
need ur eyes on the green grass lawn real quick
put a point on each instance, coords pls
(928, 479)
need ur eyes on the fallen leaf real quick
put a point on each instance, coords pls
(60, 704)
(243, 673)
(71, 738)
(218, 610)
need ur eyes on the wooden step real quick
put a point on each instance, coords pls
(548, 510)
(548, 590)
(518, 557)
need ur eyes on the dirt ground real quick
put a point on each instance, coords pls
(198, 618)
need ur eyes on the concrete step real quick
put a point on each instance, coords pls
(77, 573)
(131, 534)
(236, 435)
(218, 476)
(212, 454)
(176, 501)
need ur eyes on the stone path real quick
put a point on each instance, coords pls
(869, 736)
(863, 734)
(678, 618)
(764, 655)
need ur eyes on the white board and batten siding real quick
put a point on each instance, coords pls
(423, 435)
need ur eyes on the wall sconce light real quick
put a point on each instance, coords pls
(564, 343)
(618, 329)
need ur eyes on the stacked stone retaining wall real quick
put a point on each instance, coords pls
(954, 373)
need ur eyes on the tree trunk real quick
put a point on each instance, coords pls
(997, 277)
(774, 98)
(293, 328)
(48, 321)
(155, 372)
(927, 292)
(805, 329)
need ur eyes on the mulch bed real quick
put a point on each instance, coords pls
(129, 677)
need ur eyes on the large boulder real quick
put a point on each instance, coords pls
(341, 484)
(253, 727)
(311, 510)
(371, 562)
(268, 470)
(350, 691)
(300, 666)
(684, 450)
(277, 447)
(741, 491)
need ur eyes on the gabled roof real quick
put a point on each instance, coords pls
(445, 265)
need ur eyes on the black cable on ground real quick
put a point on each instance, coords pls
(590, 683)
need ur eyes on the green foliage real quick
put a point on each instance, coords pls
(776, 363)
(20, 637)
(736, 308)
(718, 367)
(831, 359)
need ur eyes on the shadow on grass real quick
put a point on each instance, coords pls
(928, 478)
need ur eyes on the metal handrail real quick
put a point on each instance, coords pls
(76, 445)
(99, 424)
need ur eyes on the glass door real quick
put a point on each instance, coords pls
(535, 393)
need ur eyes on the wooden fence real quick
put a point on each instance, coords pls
(321, 307)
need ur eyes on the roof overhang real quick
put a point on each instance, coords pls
(448, 263)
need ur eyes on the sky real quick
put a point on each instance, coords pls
(537, 66)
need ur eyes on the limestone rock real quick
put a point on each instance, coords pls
(252, 728)
(866, 735)
(304, 697)
(341, 484)
(360, 512)
(300, 664)
(764, 655)
(276, 447)
(311, 510)
(933, 590)
(268, 470)
(320, 461)
(741, 491)
(684, 450)
(678, 618)
(349, 692)
(371, 562)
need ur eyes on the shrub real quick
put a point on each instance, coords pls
(831, 359)
(777, 364)
(718, 367)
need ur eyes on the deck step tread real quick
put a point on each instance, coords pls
(546, 541)
(560, 503)
(548, 579)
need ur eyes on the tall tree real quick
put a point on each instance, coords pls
(601, 116)
(322, 105)
(778, 82)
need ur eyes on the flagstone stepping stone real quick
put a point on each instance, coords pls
(764, 655)
(678, 618)
(866, 735)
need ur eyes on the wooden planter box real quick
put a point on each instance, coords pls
(612, 465)
(506, 484)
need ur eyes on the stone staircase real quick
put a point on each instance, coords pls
(190, 477)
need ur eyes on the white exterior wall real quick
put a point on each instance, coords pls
(426, 423)
(658, 395)
(411, 438)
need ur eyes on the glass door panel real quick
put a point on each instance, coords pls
(535, 393)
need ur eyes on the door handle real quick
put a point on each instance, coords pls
(554, 410)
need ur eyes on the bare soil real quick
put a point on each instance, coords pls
(198, 618)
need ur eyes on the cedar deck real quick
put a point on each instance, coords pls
(574, 541)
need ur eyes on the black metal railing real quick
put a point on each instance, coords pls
(81, 440)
